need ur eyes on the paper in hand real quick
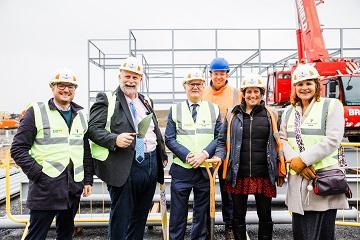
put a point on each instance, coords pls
(144, 124)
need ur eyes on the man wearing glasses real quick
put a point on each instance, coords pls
(191, 133)
(51, 148)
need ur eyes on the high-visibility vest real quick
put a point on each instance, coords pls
(54, 145)
(194, 136)
(98, 152)
(313, 130)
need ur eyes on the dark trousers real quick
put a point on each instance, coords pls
(183, 181)
(314, 225)
(40, 222)
(130, 203)
(263, 208)
(226, 201)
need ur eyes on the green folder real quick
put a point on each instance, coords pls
(143, 125)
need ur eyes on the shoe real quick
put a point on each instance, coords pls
(239, 231)
(229, 234)
(265, 230)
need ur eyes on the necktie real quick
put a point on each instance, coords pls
(194, 111)
(139, 144)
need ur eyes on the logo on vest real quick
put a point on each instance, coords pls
(57, 130)
(311, 122)
(204, 124)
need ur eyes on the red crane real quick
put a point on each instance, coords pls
(340, 79)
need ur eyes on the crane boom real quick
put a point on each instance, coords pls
(309, 33)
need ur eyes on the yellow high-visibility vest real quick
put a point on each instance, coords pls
(194, 136)
(313, 130)
(54, 145)
(98, 152)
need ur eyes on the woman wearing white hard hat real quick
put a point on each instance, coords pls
(253, 160)
(311, 131)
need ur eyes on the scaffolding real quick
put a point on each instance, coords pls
(167, 53)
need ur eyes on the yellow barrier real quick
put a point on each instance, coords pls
(355, 223)
(158, 219)
(10, 216)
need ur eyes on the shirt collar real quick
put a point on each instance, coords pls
(129, 100)
(191, 103)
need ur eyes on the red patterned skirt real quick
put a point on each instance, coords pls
(252, 185)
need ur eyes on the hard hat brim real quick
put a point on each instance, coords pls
(52, 82)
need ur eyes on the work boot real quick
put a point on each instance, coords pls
(265, 230)
(239, 231)
(229, 234)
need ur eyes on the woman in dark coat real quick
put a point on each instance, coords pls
(253, 160)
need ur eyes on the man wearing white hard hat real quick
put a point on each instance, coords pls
(191, 133)
(129, 163)
(52, 149)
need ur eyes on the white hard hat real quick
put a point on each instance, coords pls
(194, 74)
(64, 76)
(132, 64)
(304, 72)
(252, 80)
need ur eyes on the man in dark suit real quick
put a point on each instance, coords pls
(191, 134)
(130, 165)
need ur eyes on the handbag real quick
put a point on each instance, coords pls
(327, 182)
(331, 182)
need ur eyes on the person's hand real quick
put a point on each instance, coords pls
(195, 160)
(124, 140)
(308, 173)
(216, 158)
(297, 164)
(280, 181)
(165, 162)
(87, 190)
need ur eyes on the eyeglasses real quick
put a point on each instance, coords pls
(61, 86)
(193, 85)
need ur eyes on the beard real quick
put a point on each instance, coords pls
(129, 91)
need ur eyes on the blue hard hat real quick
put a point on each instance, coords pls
(219, 64)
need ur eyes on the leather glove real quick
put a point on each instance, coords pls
(308, 173)
(297, 164)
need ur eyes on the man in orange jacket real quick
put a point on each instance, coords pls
(219, 91)
(225, 96)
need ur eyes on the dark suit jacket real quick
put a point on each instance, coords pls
(115, 169)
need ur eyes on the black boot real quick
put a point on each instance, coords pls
(229, 234)
(239, 231)
(265, 230)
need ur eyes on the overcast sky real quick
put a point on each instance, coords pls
(40, 36)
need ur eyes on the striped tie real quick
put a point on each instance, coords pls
(194, 111)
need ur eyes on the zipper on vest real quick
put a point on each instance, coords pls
(251, 119)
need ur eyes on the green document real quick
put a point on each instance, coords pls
(143, 125)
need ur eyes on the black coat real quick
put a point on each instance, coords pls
(236, 144)
(256, 130)
(46, 193)
(115, 169)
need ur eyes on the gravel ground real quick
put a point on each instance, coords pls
(281, 231)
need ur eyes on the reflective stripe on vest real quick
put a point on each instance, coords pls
(98, 152)
(194, 136)
(54, 146)
(313, 130)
